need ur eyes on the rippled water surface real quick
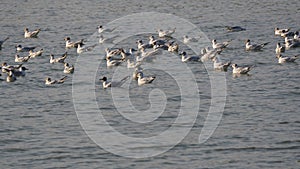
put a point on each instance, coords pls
(260, 124)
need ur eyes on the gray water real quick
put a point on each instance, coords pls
(260, 123)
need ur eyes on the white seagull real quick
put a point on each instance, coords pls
(218, 65)
(254, 47)
(106, 84)
(278, 31)
(279, 49)
(33, 54)
(113, 62)
(111, 53)
(220, 46)
(33, 34)
(207, 54)
(187, 39)
(49, 81)
(70, 44)
(153, 41)
(81, 48)
(21, 59)
(68, 69)
(284, 59)
(58, 60)
(5, 67)
(240, 70)
(185, 57)
(165, 33)
(144, 80)
(172, 47)
(11, 76)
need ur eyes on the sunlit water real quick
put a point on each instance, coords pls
(260, 124)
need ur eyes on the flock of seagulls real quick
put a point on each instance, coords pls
(147, 52)
(15, 71)
(136, 56)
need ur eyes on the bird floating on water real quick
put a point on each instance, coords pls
(144, 80)
(33, 34)
(68, 69)
(166, 33)
(58, 60)
(254, 47)
(220, 46)
(20, 48)
(284, 59)
(33, 54)
(106, 84)
(70, 44)
(21, 59)
(240, 70)
(49, 81)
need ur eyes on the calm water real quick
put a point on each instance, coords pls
(260, 124)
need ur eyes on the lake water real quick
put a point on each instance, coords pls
(259, 127)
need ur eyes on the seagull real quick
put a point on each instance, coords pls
(49, 81)
(106, 84)
(173, 47)
(68, 69)
(5, 67)
(207, 54)
(21, 59)
(278, 31)
(297, 36)
(81, 48)
(240, 70)
(128, 54)
(101, 29)
(187, 39)
(254, 47)
(11, 76)
(33, 34)
(153, 41)
(2, 41)
(291, 43)
(111, 53)
(222, 45)
(286, 34)
(165, 33)
(33, 54)
(144, 80)
(20, 48)
(141, 45)
(112, 62)
(70, 44)
(58, 60)
(185, 57)
(20, 72)
(284, 59)
(279, 49)
(137, 70)
(218, 65)
(234, 28)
